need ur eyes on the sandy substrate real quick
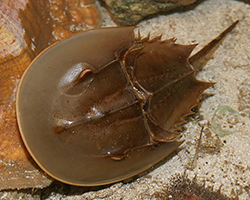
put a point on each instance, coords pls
(223, 162)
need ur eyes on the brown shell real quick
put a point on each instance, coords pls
(103, 105)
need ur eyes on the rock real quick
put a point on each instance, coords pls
(131, 12)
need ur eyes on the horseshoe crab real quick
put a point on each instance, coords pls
(103, 105)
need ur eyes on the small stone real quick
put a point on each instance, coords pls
(224, 120)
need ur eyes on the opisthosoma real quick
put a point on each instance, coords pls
(104, 105)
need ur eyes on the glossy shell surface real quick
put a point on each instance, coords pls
(103, 106)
